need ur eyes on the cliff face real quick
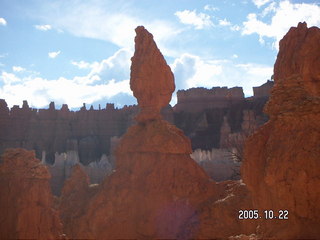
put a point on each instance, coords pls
(86, 131)
(26, 202)
(285, 152)
(199, 113)
(263, 91)
(198, 99)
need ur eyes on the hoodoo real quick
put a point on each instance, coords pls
(156, 186)
(282, 166)
(151, 79)
(26, 202)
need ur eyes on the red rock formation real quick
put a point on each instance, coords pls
(156, 186)
(281, 166)
(25, 198)
(76, 194)
(263, 91)
(218, 216)
(51, 130)
(199, 99)
(157, 191)
(89, 132)
(151, 79)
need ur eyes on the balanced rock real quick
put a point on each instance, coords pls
(26, 202)
(151, 79)
(281, 166)
(156, 187)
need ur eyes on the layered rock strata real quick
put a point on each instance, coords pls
(285, 152)
(88, 132)
(199, 113)
(199, 99)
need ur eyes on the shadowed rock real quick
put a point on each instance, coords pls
(26, 202)
(282, 166)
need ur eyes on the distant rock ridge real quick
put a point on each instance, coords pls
(198, 99)
(89, 132)
(264, 90)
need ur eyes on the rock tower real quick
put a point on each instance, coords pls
(282, 166)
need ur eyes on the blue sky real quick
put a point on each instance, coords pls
(79, 52)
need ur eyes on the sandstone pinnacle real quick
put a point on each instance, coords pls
(151, 79)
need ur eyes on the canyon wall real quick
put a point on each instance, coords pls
(198, 99)
(263, 90)
(199, 113)
(86, 131)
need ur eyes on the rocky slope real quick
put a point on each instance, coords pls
(285, 152)
(26, 202)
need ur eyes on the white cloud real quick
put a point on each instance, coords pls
(53, 54)
(43, 27)
(210, 7)
(83, 64)
(9, 78)
(260, 3)
(234, 56)
(286, 15)
(3, 22)
(193, 71)
(106, 80)
(116, 67)
(235, 28)
(18, 69)
(269, 9)
(113, 22)
(224, 22)
(199, 20)
(39, 91)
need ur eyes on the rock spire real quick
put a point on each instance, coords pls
(281, 166)
(151, 79)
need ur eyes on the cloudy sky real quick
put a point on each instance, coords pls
(78, 51)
